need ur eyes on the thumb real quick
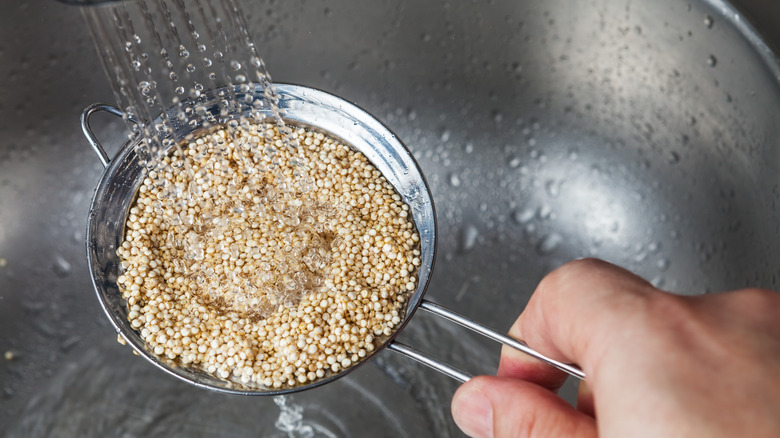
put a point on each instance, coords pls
(501, 407)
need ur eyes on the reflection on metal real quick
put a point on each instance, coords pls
(506, 340)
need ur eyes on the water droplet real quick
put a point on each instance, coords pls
(69, 343)
(183, 52)
(515, 162)
(712, 61)
(653, 246)
(190, 68)
(468, 238)
(553, 188)
(469, 148)
(454, 180)
(145, 87)
(235, 65)
(523, 216)
(445, 135)
(545, 211)
(179, 90)
(61, 267)
(663, 264)
(549, 244)
(708, 21)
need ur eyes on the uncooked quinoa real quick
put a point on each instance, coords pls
(264, 264)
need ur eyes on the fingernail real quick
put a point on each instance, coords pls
(473, 413)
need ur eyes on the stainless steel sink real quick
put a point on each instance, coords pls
(643, 132)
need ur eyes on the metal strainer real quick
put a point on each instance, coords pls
(304, 107)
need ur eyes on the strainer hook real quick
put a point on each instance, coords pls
(87, 129)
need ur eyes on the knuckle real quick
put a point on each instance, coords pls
(559, 279)
(669, 309)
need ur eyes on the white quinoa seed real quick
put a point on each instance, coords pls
(271, 268)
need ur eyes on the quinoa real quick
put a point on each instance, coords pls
(266, 264)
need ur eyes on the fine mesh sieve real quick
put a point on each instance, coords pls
(305, 107)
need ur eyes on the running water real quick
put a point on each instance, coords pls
(165, 59)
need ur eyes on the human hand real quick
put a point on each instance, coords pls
(656, 364)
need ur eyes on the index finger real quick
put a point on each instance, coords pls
(572, 316)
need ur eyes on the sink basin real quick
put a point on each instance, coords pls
(642, 132)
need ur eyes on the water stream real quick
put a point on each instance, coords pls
(163, 56)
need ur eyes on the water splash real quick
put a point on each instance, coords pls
(291, 423)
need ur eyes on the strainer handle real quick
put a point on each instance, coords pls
(484, 331)
(87, 129)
